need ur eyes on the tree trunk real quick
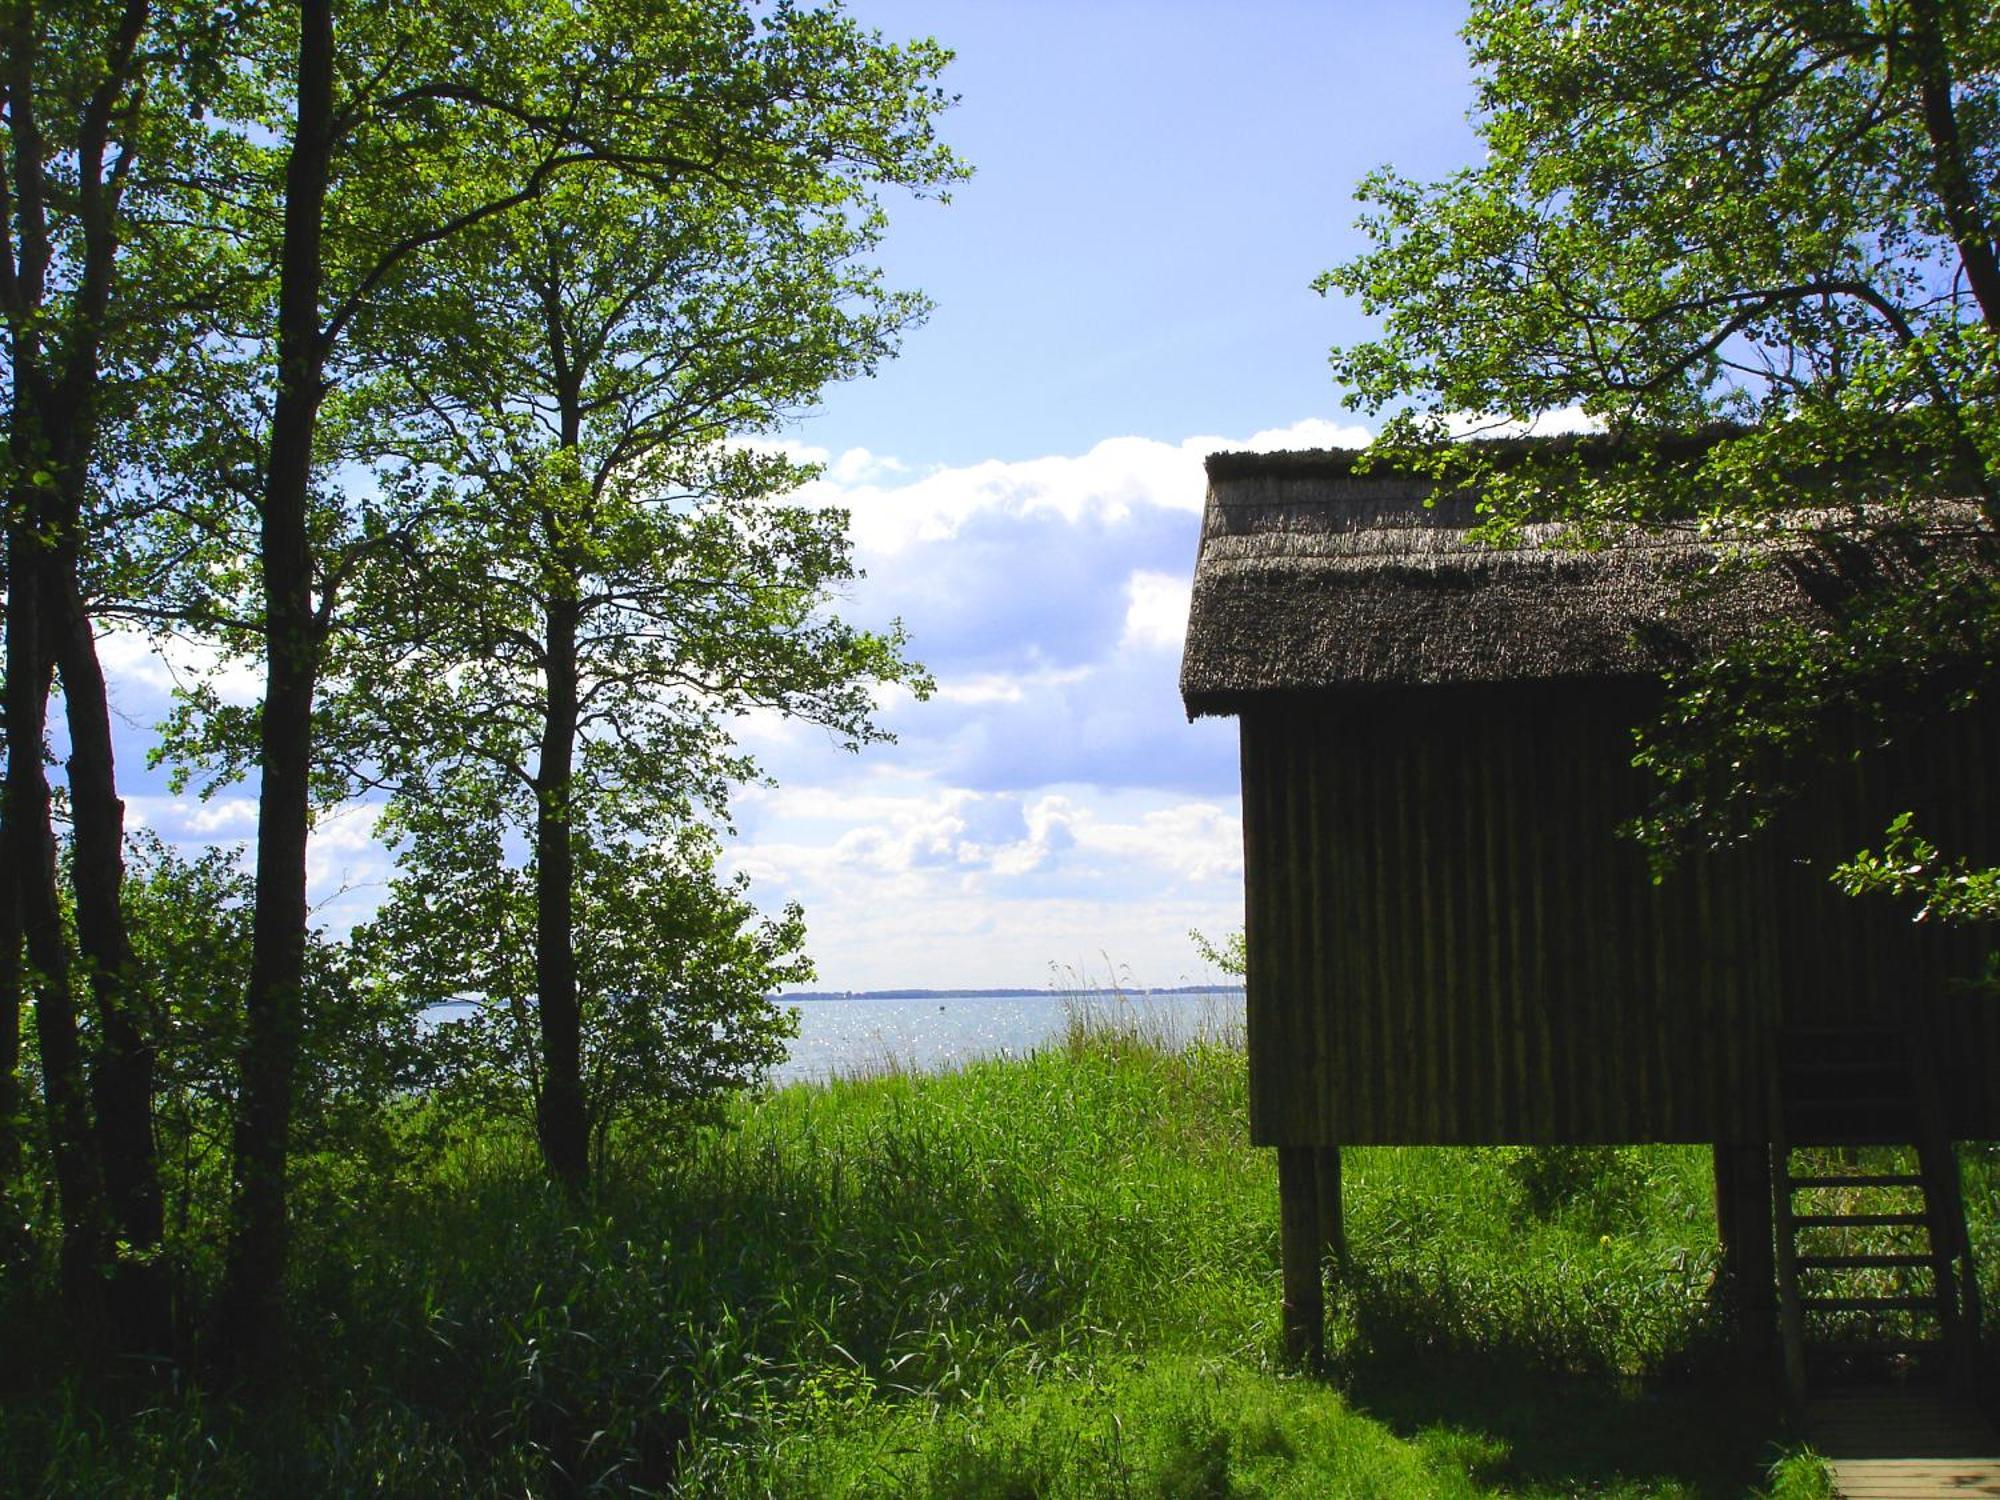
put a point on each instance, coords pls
(32, 857)
(10, 1025)
(53, 437)
(123, 1068)
(1956, 187)
(560, 1117)
(251, 1312)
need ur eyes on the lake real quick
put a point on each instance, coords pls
(934, 1033)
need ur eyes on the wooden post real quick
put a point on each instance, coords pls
(1332, 1221)
(1743, 1222)
(1299, 1240)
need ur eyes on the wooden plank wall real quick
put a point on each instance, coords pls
(1450, 944)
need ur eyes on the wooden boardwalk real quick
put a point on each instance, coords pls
(1902, 1445)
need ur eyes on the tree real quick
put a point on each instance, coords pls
(563, 644)
(108, 111)
(401, 131)
(1755, 242)
(672, 969)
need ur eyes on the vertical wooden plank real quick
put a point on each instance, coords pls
(1385, 1016)
(1473, 1000)
(1253, 734)
(1529, 972)
(1413, 939)
(1305, 1063)
(1502, 922)
(1300, 1084)
(1328, 1014)
(1430, 938)
(1553, 873)
(1404, 1064)
(1604, 1018)
(1358, 1115)
(1449, 789)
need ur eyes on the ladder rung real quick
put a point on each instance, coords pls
(1859, 1262)
(1867, 1304)
(1856, 1179)
(1836, 1221)
(1873, 1346)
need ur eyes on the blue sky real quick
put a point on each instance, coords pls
(1123, 288)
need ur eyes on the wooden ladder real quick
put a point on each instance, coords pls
(1875, 1275)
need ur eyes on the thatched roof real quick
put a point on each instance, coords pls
(1313, 577)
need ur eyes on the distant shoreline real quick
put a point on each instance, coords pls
(1045, 992)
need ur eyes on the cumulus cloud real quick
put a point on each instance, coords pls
(150, 668)
(1022, 875)
(1156, 610)
(1112, 481)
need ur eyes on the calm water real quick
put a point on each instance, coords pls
(932, 1035)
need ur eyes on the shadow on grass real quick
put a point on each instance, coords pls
(1533, 1406)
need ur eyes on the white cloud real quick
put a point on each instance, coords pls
(1194, 840)
(221, 817)
(1006, 687)
(347, 868)
(1313, 432)
(1156, 610)
(1116, 477)
(1569, 419)
(157, 665)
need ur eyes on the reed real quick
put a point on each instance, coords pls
(1048, 1276)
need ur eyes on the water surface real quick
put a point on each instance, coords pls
(932, 1034)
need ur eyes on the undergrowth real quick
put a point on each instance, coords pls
(1047, 1277)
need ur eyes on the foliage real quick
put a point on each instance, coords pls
(1231, 957)
(674, 969)
(190, 924)
(1754, 244)
(1603, 1185)
(1802, 1476)
(1911, 866)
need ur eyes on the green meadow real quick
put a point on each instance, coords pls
(1046, 1277)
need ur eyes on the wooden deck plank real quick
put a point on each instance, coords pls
(1903, 1445)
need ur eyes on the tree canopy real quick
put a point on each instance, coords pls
(1752, 242)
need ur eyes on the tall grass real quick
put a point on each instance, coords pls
(1051, 1276)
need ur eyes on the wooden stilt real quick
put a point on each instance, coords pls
(1743, 1221)
(1332, 1220)
(1299, 1241)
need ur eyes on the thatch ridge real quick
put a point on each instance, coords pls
(1596, 449)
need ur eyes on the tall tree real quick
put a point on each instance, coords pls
(106, 110)
(407, 130)
(1771, 224)
(613, 580)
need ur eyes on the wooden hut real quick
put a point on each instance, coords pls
(1449, 940)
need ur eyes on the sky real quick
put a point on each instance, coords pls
(1122, 288)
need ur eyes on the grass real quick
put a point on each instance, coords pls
(1046, 1277)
